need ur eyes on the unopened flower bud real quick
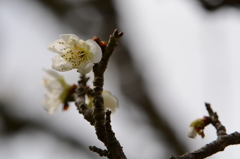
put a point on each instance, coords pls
(197, 127)
(109, 100)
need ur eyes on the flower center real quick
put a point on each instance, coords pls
(76, 53)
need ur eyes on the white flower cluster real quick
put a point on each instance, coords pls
(73, 53)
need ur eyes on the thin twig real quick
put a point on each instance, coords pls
(80, 100)
(218, 145)
(99, 151)
(221, 130)
(113, 144)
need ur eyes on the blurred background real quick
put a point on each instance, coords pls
(175, 55)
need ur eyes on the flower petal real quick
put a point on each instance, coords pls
(59, 64)
(52, 73)
(66, 37)
(51, 85)
(56, 46)
(85, 67)
(110, 101)
(192, 133)
(52, 102)
(75, 37)
(95, 50)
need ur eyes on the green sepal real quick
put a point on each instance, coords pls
(198, 123)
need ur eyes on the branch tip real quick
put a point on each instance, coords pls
(99, 151)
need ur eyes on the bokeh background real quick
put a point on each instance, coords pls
(175, 55)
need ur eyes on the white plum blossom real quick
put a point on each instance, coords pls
(109, 100)
(74, 53)
(57, 90)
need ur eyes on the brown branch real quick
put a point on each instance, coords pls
(221, 130)
(99, 151)
(113, 144)
(102, 126)
(218, 145)
(97, 117)
(80, 100)
(98, 82)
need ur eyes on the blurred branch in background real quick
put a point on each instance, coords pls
(212, 5)
(13, 125)
(99, 17)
